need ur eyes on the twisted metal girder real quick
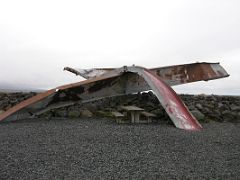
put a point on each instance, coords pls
(122, 81)
(170, 101)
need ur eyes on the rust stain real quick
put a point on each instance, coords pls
(41, 96)
(25, 103)
(189, 72)
(179, 74)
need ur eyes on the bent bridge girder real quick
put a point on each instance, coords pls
(116, 82)
(170, 101)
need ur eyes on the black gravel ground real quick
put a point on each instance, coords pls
(101, 149)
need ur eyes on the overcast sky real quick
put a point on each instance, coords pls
(39, 38)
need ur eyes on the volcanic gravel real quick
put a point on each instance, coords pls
(102, 149)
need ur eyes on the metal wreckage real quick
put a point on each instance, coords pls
(107, 82)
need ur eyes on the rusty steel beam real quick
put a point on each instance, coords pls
(115, 82)
(187, 73)
(172, 75)
(90, 89)
(170, 101)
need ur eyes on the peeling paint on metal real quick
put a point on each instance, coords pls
(125, 80)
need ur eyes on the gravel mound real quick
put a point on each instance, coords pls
(101, 149)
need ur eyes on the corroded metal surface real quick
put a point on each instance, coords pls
(104, 82)
(187, 73)
(172, 75)
(75, 92)
(170, 101)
